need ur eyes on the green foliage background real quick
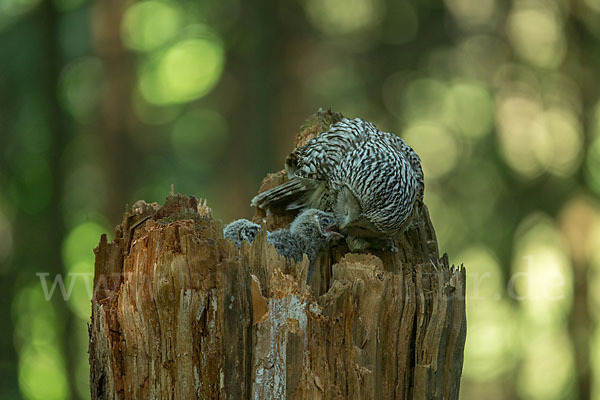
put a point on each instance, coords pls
(105, 102)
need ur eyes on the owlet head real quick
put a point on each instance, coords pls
(316, 224)
(250, 231)
(328, 225)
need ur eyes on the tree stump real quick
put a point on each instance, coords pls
(179, 313)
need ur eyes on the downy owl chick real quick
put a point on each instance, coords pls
(240, 230)
(310, 232)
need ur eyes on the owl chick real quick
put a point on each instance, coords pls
(370, 180)
(240, 230)
(308, 234)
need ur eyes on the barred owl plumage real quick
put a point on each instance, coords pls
(370, 179)
(240, 230)
(309, 233)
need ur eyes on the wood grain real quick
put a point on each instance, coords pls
(179, 313)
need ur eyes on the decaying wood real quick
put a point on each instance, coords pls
(179, 313)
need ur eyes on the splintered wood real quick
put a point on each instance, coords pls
(179, 313)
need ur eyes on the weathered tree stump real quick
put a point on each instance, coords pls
(179, 313)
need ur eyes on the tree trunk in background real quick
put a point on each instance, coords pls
(60, 126)
(178, 313)
(115, 107)
(580, 329)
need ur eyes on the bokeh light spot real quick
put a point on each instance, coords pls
(595, 120)
(14, 8)
(592, 165)
(548, 366)
(485, 276)
(437, 147)
(593, 4)
(339, 17)
(483, 199)
(565, 139)
(515, 116)
(471, 13)
(149, 24)
(186, 71)
(78, 257)
(489, 348)
(42, 373)
(595, 357)
(478, 56)
(82, 363)
(542, 276)
(593, 244)
(79, 245)
(542, 284)
(534, 140)
(536, 34)
(35, 319)
(580, 227)
(80, 298)
(473, 109)
(426, 99)
(80, 88)
(450, 228)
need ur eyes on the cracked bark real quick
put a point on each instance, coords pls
(177, 313)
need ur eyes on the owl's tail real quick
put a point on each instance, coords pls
(297, 193)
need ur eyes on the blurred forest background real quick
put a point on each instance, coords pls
(106, 102)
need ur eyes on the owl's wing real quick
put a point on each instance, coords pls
(311, 166)
(413, 158)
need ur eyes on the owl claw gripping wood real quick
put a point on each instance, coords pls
(371, 180)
